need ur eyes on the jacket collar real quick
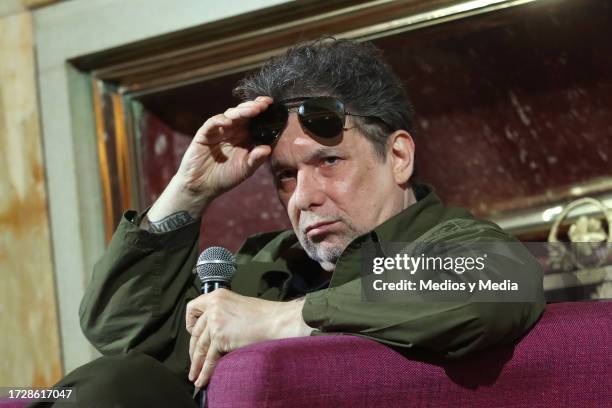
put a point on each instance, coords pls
(406, 226)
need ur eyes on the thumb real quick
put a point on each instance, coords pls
(257, 156)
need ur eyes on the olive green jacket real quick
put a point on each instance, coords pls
(139, 289)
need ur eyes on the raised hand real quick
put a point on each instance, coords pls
(219, 158)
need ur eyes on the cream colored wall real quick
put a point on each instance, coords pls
(30, 345)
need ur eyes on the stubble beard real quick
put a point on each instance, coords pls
(322, 252)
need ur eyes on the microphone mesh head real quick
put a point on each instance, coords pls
(216, 264)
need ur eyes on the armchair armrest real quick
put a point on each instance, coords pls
(563, 361)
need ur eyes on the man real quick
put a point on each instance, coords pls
(335, 125)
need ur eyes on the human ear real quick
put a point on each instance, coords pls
(401, 155)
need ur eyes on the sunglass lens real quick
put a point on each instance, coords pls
(266, 127)
(324, 117)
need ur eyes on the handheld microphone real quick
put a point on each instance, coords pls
(215, 268)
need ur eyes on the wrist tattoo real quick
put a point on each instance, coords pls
(171, 222)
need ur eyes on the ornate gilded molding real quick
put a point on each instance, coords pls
(243, 42)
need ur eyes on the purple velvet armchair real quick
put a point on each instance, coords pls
(565, 361)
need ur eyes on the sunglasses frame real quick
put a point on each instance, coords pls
(290, 105)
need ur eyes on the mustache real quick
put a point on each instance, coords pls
(308, 219)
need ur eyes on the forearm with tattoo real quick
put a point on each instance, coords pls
(171, 222)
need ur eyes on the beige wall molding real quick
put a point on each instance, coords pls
(9, 7)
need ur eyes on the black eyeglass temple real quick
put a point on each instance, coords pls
(370, 117)
(303, 98)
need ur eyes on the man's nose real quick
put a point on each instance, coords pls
(309, 191)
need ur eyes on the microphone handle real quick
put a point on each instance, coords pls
(209, 286)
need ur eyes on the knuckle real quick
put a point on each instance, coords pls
(219, 340)
(210, 364)
(192, 316)
(222, 342)
(214, 322)
(193, 303)
(216, 299)
(201, 346)
(212, 306)
(221, 293)
(212, 309)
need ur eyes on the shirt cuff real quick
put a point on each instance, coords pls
(129, 231)
(316, 311)
(135, 218)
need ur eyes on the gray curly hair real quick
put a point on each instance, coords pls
(354, 72)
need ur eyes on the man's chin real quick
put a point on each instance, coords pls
(326, 251)
(329, 252)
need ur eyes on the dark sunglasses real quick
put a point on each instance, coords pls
(323, 116)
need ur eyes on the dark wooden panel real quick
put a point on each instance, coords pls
(511, 109)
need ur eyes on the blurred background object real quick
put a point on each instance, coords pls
(579, 264)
